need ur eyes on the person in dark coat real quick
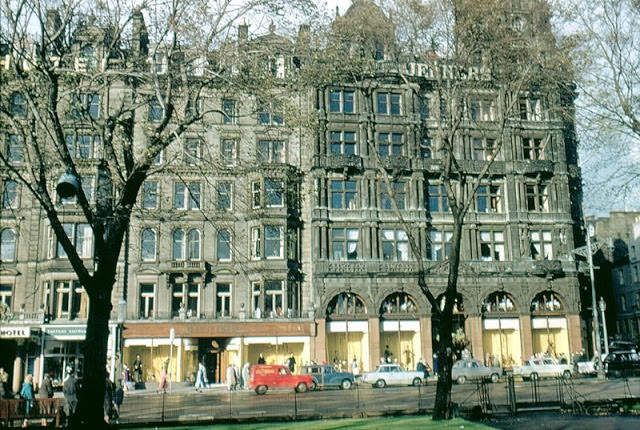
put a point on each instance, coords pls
(261, 359)
(46, 388)
(45, 392)
(108, 398)
(69, 389)
(137, 369)
(118, 398)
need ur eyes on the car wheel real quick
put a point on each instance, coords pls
(461, 379)
(566, 374)
(301, 387)
(261, 389)
(314, 386)
(380, 383)
(416, 382)
(345, 384)
(534, 376)
(495, 377)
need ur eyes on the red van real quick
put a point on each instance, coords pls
(265, 376)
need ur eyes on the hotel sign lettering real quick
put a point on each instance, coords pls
(15, 332)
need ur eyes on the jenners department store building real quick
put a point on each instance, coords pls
(265, 238)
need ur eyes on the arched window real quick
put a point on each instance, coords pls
(148, 244)
(194, 244)
(7, 245)
(499, 301)
(345, 304)
(458, 303)
(178, 244)
(547, 301)
(398, 303)
(224, 245)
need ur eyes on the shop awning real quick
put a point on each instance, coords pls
(273, 340)
(501, 323)
(548, 322)
(411, 325)
(343, 326)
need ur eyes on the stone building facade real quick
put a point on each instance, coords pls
(263, 237)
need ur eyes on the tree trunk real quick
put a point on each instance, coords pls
(90, 412)
(442, 409)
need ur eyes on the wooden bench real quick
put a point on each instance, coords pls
(12, 410)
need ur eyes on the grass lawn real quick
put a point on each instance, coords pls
(404, 423)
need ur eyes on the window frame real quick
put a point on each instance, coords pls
(441, 245)
(223, 196)
(338, 188)
(224, 300)
(273, 240)
(8, 245)
(339, 145)
(494, 244)
(537, 196)
(344, 241)
(388, 141)
(145, 256)
(342, 101)
(220, 241)
(544, 243)
(229, 111)
(150, 189)
(271, 151)
(10, 194)
(147, 300)
(389, 103)
(399, 240)
(492, 196)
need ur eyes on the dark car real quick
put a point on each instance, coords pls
(622, 363)
(325, 375)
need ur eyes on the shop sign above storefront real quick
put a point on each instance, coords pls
(15, 332)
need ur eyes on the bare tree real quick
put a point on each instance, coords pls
(91, 92)
(606, 55)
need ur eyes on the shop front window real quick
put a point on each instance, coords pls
(346, 304)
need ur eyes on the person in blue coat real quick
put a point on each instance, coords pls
(26, 393)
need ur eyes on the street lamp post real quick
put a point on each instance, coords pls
(602, 305)
(594, 310)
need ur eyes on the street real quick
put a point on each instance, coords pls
(219, 404)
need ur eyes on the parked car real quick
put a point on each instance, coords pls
(325, 375)
(474, 369)
(264, 376)
(586, 366)
(392, 374)
(622, 345)
(622, 363)
(536, 368)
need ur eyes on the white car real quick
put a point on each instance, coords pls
(536, 368)
(392, 374)
(588, 367)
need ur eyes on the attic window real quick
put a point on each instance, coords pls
(88, 54)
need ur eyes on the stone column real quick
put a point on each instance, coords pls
(17, 371)
(319, 343)
(525, 337)
(374, 342)
(425, 340)
(574, 333)
(473, 330)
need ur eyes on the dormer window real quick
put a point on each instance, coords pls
(88, 54)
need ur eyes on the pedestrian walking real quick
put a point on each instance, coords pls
(162, 383)
(108, 398)
(231, 377)
(118, 398)
(245, 375)
(354, 367)
(291, 363)
(387, 354)
(237, 376)
(45, 391)
(201, 377)
(5, 391)
(137, 369)
(261, 359)
(69, 389)
(26, 393)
